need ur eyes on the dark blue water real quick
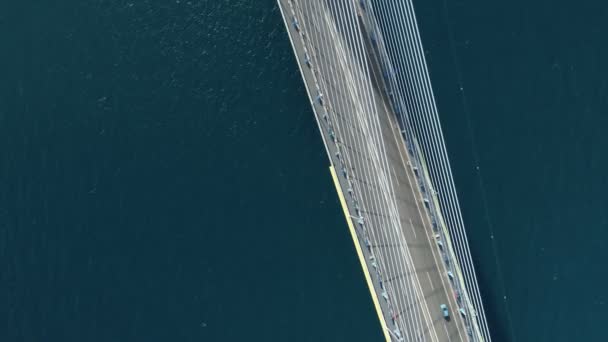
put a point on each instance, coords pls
(162, 177)
(532, 115)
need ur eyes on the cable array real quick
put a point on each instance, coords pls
(342, 75)
(396, 36)
(341, 39)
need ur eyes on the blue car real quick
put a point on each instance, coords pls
(444, 310)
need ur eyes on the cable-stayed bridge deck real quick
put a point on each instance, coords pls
(381, 174)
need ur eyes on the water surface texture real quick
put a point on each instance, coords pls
(162, 177)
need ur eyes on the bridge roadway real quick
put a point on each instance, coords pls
(396, 238)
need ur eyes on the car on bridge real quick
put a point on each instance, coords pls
(444, 310)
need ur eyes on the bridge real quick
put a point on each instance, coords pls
(363, 67)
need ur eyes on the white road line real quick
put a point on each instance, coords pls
(413, 229)
(447, 333)
(395, 174)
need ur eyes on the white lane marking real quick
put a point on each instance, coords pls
(430, 281)
(395, 174)
(413, 230)
(446, 332)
